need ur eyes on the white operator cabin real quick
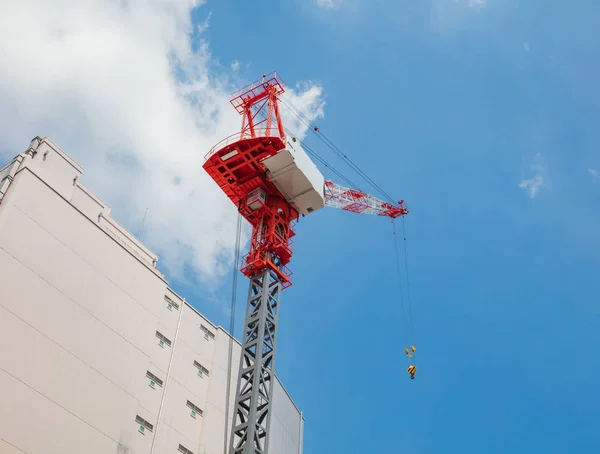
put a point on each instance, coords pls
(98, 354)
(298, 178)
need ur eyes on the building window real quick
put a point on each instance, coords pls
(208, 334)
(162, 340)
(171, 304)
(184, 450)
(195, 410)
(143, 425)
(201, 369)
(154, 380)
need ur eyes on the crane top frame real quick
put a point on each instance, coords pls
(257, 91)
(251, 100)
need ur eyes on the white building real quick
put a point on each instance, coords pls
(97, 354)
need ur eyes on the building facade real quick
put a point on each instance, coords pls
(98, 354)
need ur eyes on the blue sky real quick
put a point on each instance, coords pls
(450, 106)
(481, 114)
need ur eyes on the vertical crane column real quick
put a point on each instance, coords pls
(256, 376)
(238, 167)
(272, 182)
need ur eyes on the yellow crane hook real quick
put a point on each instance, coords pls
(412, 369)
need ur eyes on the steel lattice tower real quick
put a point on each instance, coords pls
(255, 385)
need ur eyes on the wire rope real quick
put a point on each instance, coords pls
(336, 150)
(315, 155)
(408, 293)
(236, 263)
(405, 335)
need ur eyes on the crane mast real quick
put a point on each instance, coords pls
(271, 181)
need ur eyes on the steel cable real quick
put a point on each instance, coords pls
(236, 265)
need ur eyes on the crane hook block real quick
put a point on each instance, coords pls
(412, 370)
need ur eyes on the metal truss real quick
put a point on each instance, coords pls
(337, 196)
(256, 376)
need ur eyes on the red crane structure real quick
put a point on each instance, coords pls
(271, 181)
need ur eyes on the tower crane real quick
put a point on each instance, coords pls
(272, 182)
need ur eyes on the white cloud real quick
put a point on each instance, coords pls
(533, 185)
(235, 66)
(477, 4)
(526, 47)
(448, 16)
(310, 100)
(595, 174)
(117, 86)
(327, 4)
(203, 26)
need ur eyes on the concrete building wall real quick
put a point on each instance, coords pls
(86, 319)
